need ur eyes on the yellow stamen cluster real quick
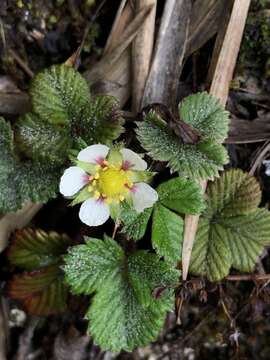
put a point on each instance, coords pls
(110, 183)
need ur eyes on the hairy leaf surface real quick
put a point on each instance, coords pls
(198, 161)
(21, 182)
(232, 230)
(181, 195)
(206, 114)
(123, 313)
(59, 94)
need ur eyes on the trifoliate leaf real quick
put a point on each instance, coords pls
(205, 113)
(42, 141)
(42, 292)
(134, 223)
(167, 234)
(198, 161)
(123, 313)
(33, 249)
(181, 195)
(100, 121)
(232, 230)
(59, 94)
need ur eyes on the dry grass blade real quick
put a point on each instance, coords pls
(123, 17)
(220, 87)
(117, 80)
(204, 23)
(142, 48)
(104, 65)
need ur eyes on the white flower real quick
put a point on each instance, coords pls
(105, 177)
(266, 163)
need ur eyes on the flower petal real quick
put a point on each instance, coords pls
(143, 196)
(93, 154)
(94, 212)
(133, 160)
(73, 179)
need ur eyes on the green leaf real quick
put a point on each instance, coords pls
(33, 249)
(205, 113)
(41, 141)
(210, 256)
(167, 234)
(200, 161)
(123, 313)
(21, 182)
(181, 195)
(27, 183)
(89, 265)
(232, 230)
(59, 94)
(100, 122)
(234, 193)
(247, 244)
(42, 292)
(135, 223)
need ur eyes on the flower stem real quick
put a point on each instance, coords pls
(116, 226)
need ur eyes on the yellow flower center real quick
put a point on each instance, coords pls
(110, 182)
(113, 182)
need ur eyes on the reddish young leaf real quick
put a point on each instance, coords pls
(33, 249)
(41, 292)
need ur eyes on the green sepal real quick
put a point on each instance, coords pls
(141, 176)
(83, 195)
(115, 211)
(115, 157)
(88, 167)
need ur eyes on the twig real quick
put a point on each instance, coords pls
(73, 60)
(249, 277)
(21, 63)
(4, 328)
(219, 88)
(116, 227)
(259, 158)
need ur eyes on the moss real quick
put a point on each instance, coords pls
(255, 51)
